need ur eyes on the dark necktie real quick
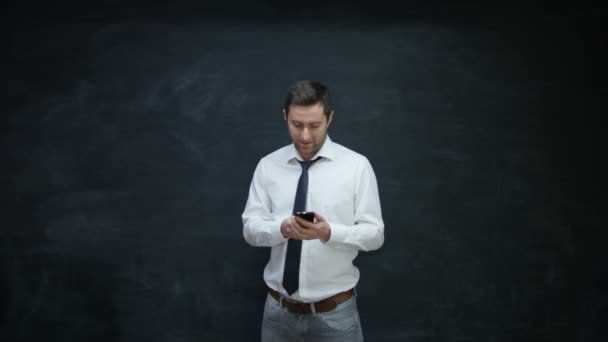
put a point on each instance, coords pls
(291, 273)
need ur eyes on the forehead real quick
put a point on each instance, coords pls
(306, 113)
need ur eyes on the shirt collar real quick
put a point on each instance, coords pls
(326, 151)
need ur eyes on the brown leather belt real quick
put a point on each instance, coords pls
(324, 305)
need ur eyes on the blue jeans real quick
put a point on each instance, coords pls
(340, 324)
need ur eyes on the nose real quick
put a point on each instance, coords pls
(305, 136)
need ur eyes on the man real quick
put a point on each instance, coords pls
(310, 275)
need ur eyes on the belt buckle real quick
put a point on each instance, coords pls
(284, 302)
(297, 307)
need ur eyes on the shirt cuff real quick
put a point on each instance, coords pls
(275, 233)
(338, 234)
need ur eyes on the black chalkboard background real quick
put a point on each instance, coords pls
(131, 130)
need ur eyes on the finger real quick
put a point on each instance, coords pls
(303, 233)
(300, 235)
(294, 222)
(291, 227)
(307, 233)
(299, 229)
(303, 223)
(296, 229)
(319, 218)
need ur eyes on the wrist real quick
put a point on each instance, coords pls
(326, 233)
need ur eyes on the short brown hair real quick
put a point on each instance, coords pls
(306, 93)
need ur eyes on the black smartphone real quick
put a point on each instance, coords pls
(307, 215)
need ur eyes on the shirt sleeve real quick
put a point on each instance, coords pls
(260, 229)
(367, 233)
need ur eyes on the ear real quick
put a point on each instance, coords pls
(284, 115)
(330, 117)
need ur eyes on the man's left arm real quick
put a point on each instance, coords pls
(368, 231)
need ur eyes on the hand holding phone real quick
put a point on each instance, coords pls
(320, 229)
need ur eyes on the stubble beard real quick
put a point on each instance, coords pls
(313, 149)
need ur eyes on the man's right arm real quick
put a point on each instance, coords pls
(260, 228)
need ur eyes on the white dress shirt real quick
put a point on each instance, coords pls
(342, 188)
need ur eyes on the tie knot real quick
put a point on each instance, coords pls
(306, 163)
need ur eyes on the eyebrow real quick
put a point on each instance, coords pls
(312, 123)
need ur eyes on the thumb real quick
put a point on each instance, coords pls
(319, 218)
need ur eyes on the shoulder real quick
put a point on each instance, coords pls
(346, 155)
(271, 162)
(275, 159)
(353, 163)
(278, 155)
